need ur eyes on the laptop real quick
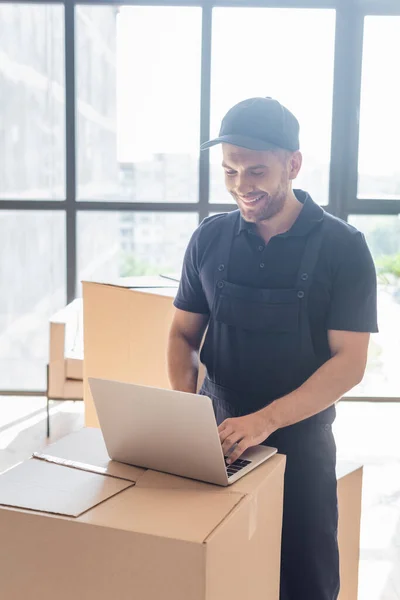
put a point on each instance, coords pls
(169, 431)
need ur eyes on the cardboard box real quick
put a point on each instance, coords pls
(349, 502)
(86, 527)
(66, 353)
(126, 333)
(66, 357)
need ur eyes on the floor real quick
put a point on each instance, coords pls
(23, 426)
(366, 433)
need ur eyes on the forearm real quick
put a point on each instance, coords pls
(183, 364)
(325, 387)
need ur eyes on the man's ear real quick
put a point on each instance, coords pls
(295, 162)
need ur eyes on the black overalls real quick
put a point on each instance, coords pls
(262, 350)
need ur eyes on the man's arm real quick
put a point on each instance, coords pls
(185, 337)
(328, 384)
(190, 319)
(325, 387)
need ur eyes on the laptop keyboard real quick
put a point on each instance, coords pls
(237, 466)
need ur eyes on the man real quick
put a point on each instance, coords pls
(289, 296)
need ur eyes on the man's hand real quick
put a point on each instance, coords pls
(245, 432)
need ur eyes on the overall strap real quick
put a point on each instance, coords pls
(230, 223)
(307, 357)
(309, 259)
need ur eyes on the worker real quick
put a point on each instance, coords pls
(286, 294)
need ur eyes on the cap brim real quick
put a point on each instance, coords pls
(239, 140)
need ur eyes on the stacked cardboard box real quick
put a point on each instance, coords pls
(65, 370)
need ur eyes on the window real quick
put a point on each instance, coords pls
(138, 71)
(379, 165)
(32, 111)
(138, 103)
(102, 254)
(32, 281)
(249, 59)
(383, 237)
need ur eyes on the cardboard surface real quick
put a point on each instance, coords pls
(248, 484)
(243, 541)
(74, 368)
(40, 486)
(349, 504)
(66, 352)
(186, 515)
(87, 446)
(154, 539)
(63, 560)
(138, 281)
(125, 337)
(73, 390)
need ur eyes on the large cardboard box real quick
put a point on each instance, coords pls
(349, 502)
(126, 330)
(76, 525)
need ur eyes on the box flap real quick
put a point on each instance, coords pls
(68, 313)
(246, 485)
(145, 281)
(187, 515)
(45, 487)
(344, 468)
(169, 292)
(158, 480)
(87, 446)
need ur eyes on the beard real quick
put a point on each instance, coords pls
(269, 206)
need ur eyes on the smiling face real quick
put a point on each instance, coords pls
(259, 181)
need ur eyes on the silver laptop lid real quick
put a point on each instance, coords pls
(159, 429)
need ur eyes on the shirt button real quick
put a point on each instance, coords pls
(221, 267)
(300, 294)
(220, 284)
(262, 265)
(261, 248)
(304, 276)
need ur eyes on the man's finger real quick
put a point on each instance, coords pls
(224, 425)
(225, 432)
(238, 451)
(230, 441)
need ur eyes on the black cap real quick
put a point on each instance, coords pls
(258, 124)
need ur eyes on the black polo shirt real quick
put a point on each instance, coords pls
(343, 291)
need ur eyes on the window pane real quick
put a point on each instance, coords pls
(383, 237)
(32, 280)
(249, 59)
(379, 166)
(138, 88)
(32, 107)
(123, 244)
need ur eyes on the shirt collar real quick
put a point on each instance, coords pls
(310, 214)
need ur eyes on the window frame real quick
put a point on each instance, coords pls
(343, 199)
